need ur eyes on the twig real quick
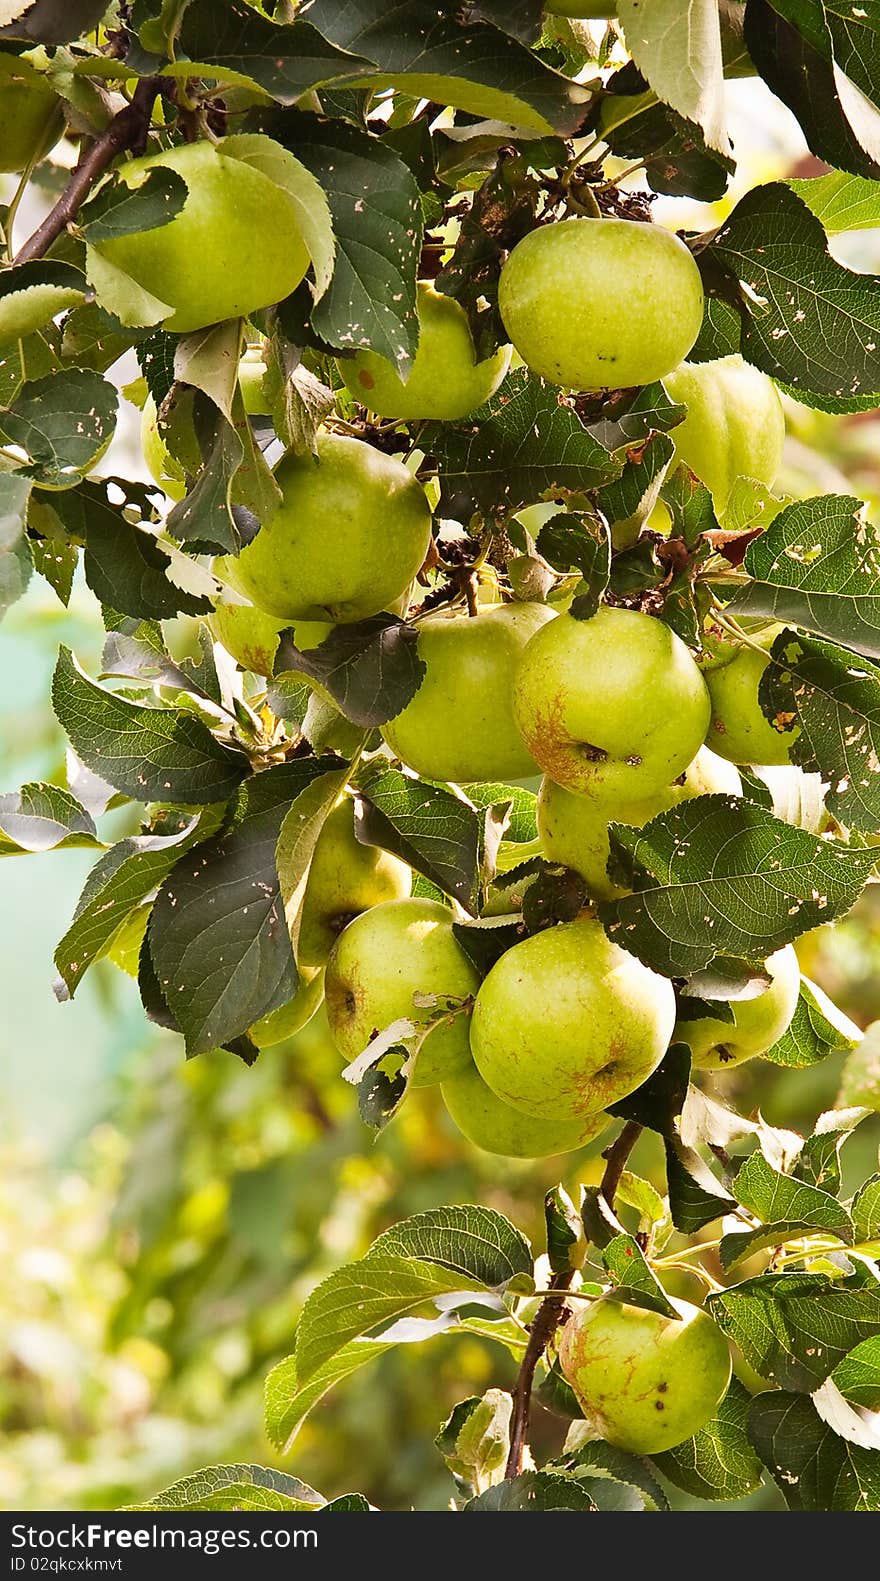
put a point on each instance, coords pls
(128, 129)
(550, 1312)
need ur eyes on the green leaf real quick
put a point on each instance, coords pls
(471, 1240)
(152, 754)
(575, 541)
(524, 445)
(563, 1229)
(719, 1461)
(118, 883)
(860, 1080)
(813, 1467)
(359, 1297)
(32, 294)
(677, 48)
(718, 877)
(786, 1207)
(116, 210)
(811, 1034)
(433, 830)
(809, 321)
(534, 1490)
(236, 1487)
(284, 59)
(371, 668)
(15, 553)
(818, 1162)
(866, 1210)
(51, 21)
(634, 1281)
(43, 818)
(218, 937)
(696, 1197)
(832, 700)
(858, 1375)
(62, 422)
(522, 827)
(795, 1328)
(596, 1463)
(841, 202)
(288, 1404)
(436, 53)
(816, 567)
(632, 498)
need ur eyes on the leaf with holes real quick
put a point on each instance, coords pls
(633, 1280)
(794, 1328)
(813, 1467)
(62, 423)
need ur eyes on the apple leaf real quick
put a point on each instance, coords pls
(574, 541)
(524, 445)
(471, 1240)
(630, 418)
(43, 818)
(817, 567)
(534, 1490)
(436, 832)
(288, 1403)
(522, 827)
(696, 1197)
(258, 1489)
(234, 41)
(841, 202)
(833, 698)
(814, 1468)
(62, 422)
(31, 294)
(657, 1104)
(794, 1328)
(635, 492)
(787, 1208)
(633, 1280)
(217, 936)
(16, 563)
(720, 878)
(719, 1461)
(807, 320)
(152, 754)
(371, 668)
(677, 48)
(818, 1162)
(810, 1035)
(378, 222)
(866, 1210)
(118, 210)
(438, 53)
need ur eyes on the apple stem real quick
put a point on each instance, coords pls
(550, 1312)
(128, 129)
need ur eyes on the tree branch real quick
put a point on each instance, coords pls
(128, 129)
(552, 1309)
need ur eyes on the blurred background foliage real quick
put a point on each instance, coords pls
(161, 1223)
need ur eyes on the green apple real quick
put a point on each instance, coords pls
(161, 465)
(757, 1023)
(251, 376)
(292, 1017)
(738, 728)
(460, 725)
(31, 117)
(567, 1023)
(445, 382)
(644, 1382)
(595, 304)
(735, 425)
(235, 246)
(612, 707)
(352, 530)
(499, 1128)
(386, 957)
(247, 633)
(345, 879)
(574, 829)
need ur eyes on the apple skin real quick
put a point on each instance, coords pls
(234, 247)
(567, 1023)
(251, 373)
(735, 425)
(574, 829)
(597, 304)
(757, 1023)
(160, 463)
(345, 879)
(738, 729)
(445, 382)
(644, 1382)
(347, 539)
(292, 1017)
(613, 707)
(459, 726)
(31, 117)
(383, 958)
(581, 8)
(497, 1127)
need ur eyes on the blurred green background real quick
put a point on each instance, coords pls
(160, 1223)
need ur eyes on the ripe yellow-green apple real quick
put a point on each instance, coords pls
(459, 725)
(161, 465)
(599, 303)
(234, 247)
(251, 374)
(574, 829)
(645, 1382)
(345, 879)
(567, 1023)
(446, 380)
(499, 1128)
(349, 535)
(31, 118)
(757, 1023)
(247, 633)
(613, 707)
(735, 426)
(738, 728)
(292, 1017)
(383, 959)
